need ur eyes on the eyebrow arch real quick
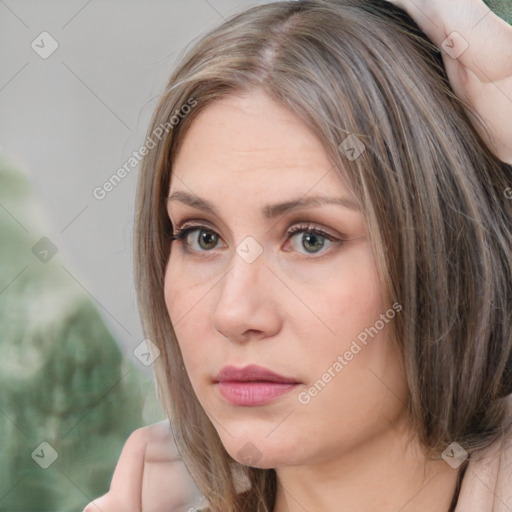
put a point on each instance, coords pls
(269, 211)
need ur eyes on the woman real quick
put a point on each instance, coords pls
(323, 261)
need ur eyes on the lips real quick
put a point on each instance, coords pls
(252, 385)
(251, 373)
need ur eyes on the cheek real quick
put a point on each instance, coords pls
(344, 294)
(356, 313)
(360, 298)
(372, 383)
(184, 287)
(188, 289)
(354, 397)
(354, 322)
(188, 297)
(186, 303)
(173, 286)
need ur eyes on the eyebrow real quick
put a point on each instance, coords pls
(269, 211)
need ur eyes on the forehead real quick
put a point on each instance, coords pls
(251, 141)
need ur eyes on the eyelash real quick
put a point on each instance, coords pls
(182, 232)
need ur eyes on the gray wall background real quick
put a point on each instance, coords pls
(72, 118)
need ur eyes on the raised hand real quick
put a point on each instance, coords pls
(477, 53)
(149, 476)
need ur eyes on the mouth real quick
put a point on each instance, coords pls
(252, 385)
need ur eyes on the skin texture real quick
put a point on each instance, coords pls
(480, 76)
(292, 312)
(479, 65)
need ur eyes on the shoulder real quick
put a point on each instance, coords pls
(504, 482)
(487, 483)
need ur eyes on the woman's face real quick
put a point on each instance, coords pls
(250, 285)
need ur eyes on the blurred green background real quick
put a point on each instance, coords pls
(63, 378)
(502, 8)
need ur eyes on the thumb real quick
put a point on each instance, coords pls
(125, 494)
(104, 504)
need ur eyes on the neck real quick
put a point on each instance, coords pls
(386, 474)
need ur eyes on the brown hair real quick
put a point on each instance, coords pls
(432, 195)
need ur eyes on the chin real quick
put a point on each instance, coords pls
(260, 452)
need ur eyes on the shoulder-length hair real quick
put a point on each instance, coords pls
(432, 194)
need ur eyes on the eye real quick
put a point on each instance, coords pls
(304, 239)
(312, 240)
(197, 238)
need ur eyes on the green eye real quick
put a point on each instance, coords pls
(310, 240)
(206, 240)
(304, 239)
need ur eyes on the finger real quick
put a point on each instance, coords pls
(398, 3)
(125, 494)
(167, 485)
(459, 77)
(426, 17)
(126, 486)
(103, 504)
(483, 44)
(490, 118)
(160, 445)
(468, 31)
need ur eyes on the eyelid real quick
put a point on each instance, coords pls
(297, 225)
(189, 225)
(181, 232)
(310, 227)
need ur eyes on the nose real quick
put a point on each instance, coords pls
(247, 304)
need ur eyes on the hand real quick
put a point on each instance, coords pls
(149, 476)
(480, 65)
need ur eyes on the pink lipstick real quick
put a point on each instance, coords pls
(252, 385)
